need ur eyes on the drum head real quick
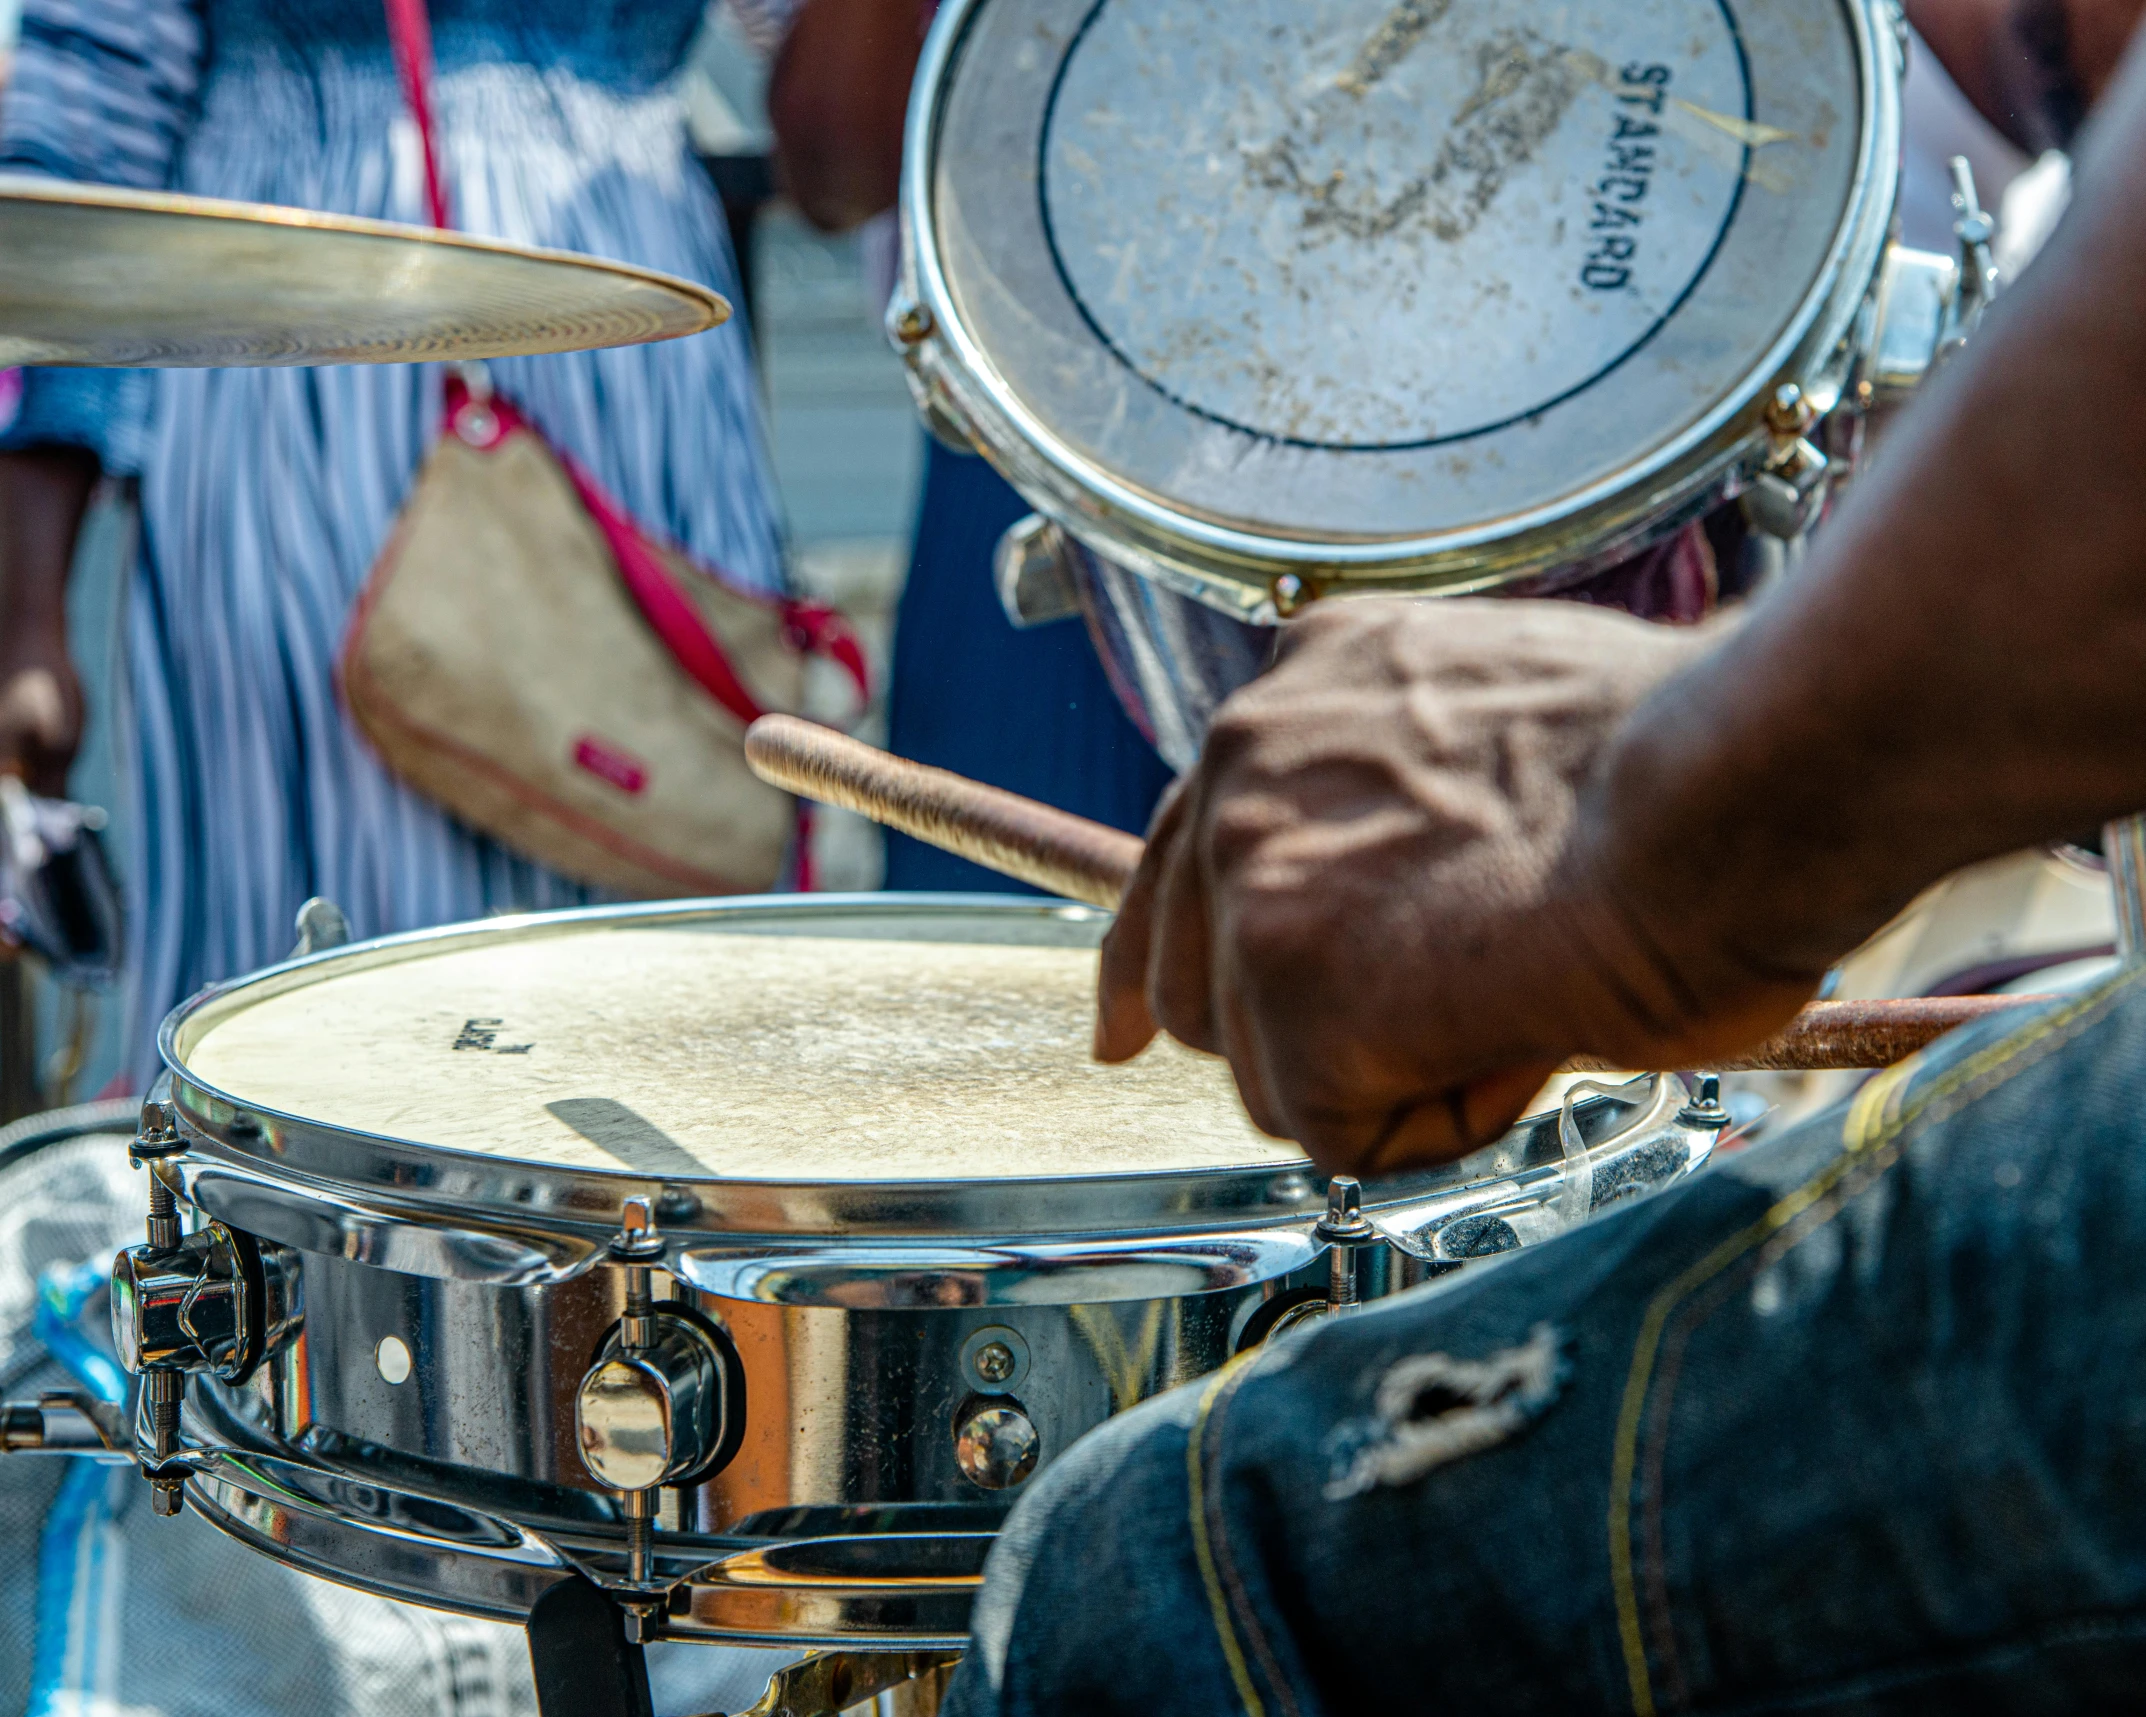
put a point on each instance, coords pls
(1352, 271)
(796, 1042)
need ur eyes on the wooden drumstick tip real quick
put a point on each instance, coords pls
(1002, 831)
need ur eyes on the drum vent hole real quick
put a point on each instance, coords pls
(392, 1357)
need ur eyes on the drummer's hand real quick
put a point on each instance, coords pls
(1381, 892)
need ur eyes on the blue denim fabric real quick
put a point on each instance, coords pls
(1853, 1421)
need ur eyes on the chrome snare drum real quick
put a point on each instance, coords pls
(746, 1259)
(1279, 298)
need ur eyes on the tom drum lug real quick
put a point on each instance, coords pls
(1031, 572)
(1786, 496)
(180, 1303)
(1926, 306)
(1911, 308)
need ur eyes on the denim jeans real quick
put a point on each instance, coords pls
(1851, 1421)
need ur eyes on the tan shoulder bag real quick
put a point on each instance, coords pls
(531, 660)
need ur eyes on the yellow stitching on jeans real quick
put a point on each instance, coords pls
(1218, 1605)
(1877, 1117)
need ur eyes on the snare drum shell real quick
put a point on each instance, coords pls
(413, 1427)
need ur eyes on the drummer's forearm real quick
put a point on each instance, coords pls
(43, 495)
(2032, 67)
(1959, 669)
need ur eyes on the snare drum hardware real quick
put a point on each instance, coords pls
(1259, 302)
(732, 1266)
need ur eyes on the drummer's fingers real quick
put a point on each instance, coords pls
(1181, 940)
(1123, 1024)
(1244, 1047)
(1431, 1130)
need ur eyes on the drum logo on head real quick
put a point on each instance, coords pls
(484, 1034)
(1623, 184)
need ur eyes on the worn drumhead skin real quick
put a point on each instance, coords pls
(704, 1051)
(1345, 271)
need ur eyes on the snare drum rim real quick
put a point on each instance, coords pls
(471, 1192)
(1232, 567)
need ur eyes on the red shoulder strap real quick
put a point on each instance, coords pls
(410, 34)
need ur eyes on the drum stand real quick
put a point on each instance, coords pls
(585, 1666)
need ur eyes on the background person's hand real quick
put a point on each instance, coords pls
(1385, 891)
(41, 711)
(43, 495)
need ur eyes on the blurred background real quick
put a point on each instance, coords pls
(848, 460)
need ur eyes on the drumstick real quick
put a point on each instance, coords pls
(1081, 860)
(999, 830)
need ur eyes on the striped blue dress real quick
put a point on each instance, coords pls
(266, 494)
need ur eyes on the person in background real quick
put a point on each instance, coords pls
(267, 494)
(1027, 710)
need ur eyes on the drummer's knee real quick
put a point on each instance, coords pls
(1085, 1552)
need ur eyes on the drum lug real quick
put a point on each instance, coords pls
(214, 1300)
(1346, 1230)
(1031, 572)
(1908, 316)
(652, 1410)
(1791, 486)
(1926, 306)
(321, 925)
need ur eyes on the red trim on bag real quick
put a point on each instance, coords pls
(607, 763)
(663, 605)
(410, 34)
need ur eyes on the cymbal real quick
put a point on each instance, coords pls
(92, 274)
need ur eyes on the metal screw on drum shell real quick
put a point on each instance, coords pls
(909, 322)
(163, 1228)
(1291, 595)
(637, 1237)
(1788, 413)
(994, 1362)
(1705, 1110)
(162, 1390)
